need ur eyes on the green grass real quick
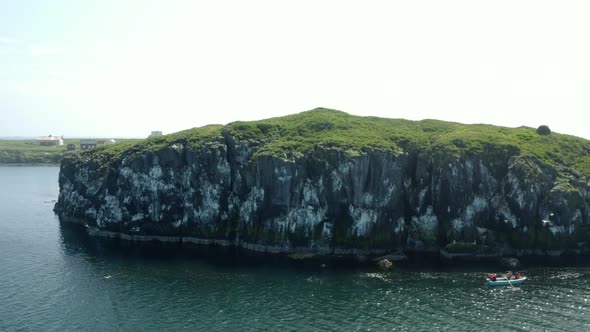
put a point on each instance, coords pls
(194, 138)
(29, 152)
(292, 136)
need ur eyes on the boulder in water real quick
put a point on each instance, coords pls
(394, 257)
(510, 262)
(385, 264)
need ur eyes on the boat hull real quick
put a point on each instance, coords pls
(506, 282)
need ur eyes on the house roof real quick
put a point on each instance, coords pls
(98, 142)
(50, 138)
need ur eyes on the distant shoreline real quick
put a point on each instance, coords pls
(30, 153)
(28, 164)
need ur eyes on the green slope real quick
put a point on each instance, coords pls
(294, 135)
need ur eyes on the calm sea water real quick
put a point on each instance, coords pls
(53, 278)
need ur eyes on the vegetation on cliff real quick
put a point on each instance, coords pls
(292, 136)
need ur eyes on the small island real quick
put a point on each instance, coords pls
(324, 182)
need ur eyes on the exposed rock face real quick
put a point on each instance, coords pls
(510, 263)
(327, 201)
(385, 264)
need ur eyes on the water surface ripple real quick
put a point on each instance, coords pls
(54, 279)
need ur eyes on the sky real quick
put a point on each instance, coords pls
(113, 68)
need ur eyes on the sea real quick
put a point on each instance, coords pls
(53, 277)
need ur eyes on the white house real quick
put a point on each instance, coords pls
(50, 140)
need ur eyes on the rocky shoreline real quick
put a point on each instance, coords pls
(381, 258)
(303, 252)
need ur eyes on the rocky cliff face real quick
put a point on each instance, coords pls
(328, 200)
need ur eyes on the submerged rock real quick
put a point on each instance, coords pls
(324, 182)
(302, 256)
(361, 258)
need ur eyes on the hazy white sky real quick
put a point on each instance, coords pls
(115, 68)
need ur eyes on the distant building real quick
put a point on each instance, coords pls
(71, 147)
(87, 144)
(90, 143)
(155, 134)
(106, 142)
(50, 140)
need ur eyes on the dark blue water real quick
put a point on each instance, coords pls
(53, 278)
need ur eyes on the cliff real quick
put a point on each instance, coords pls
(328, 182)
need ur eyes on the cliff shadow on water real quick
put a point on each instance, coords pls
(325, 183)
(75, 240)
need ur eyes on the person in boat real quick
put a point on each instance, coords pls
(492, 276)
(517, 276)
(509, 275)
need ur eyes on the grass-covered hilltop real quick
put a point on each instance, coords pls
(324, 181)
(292, 136)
